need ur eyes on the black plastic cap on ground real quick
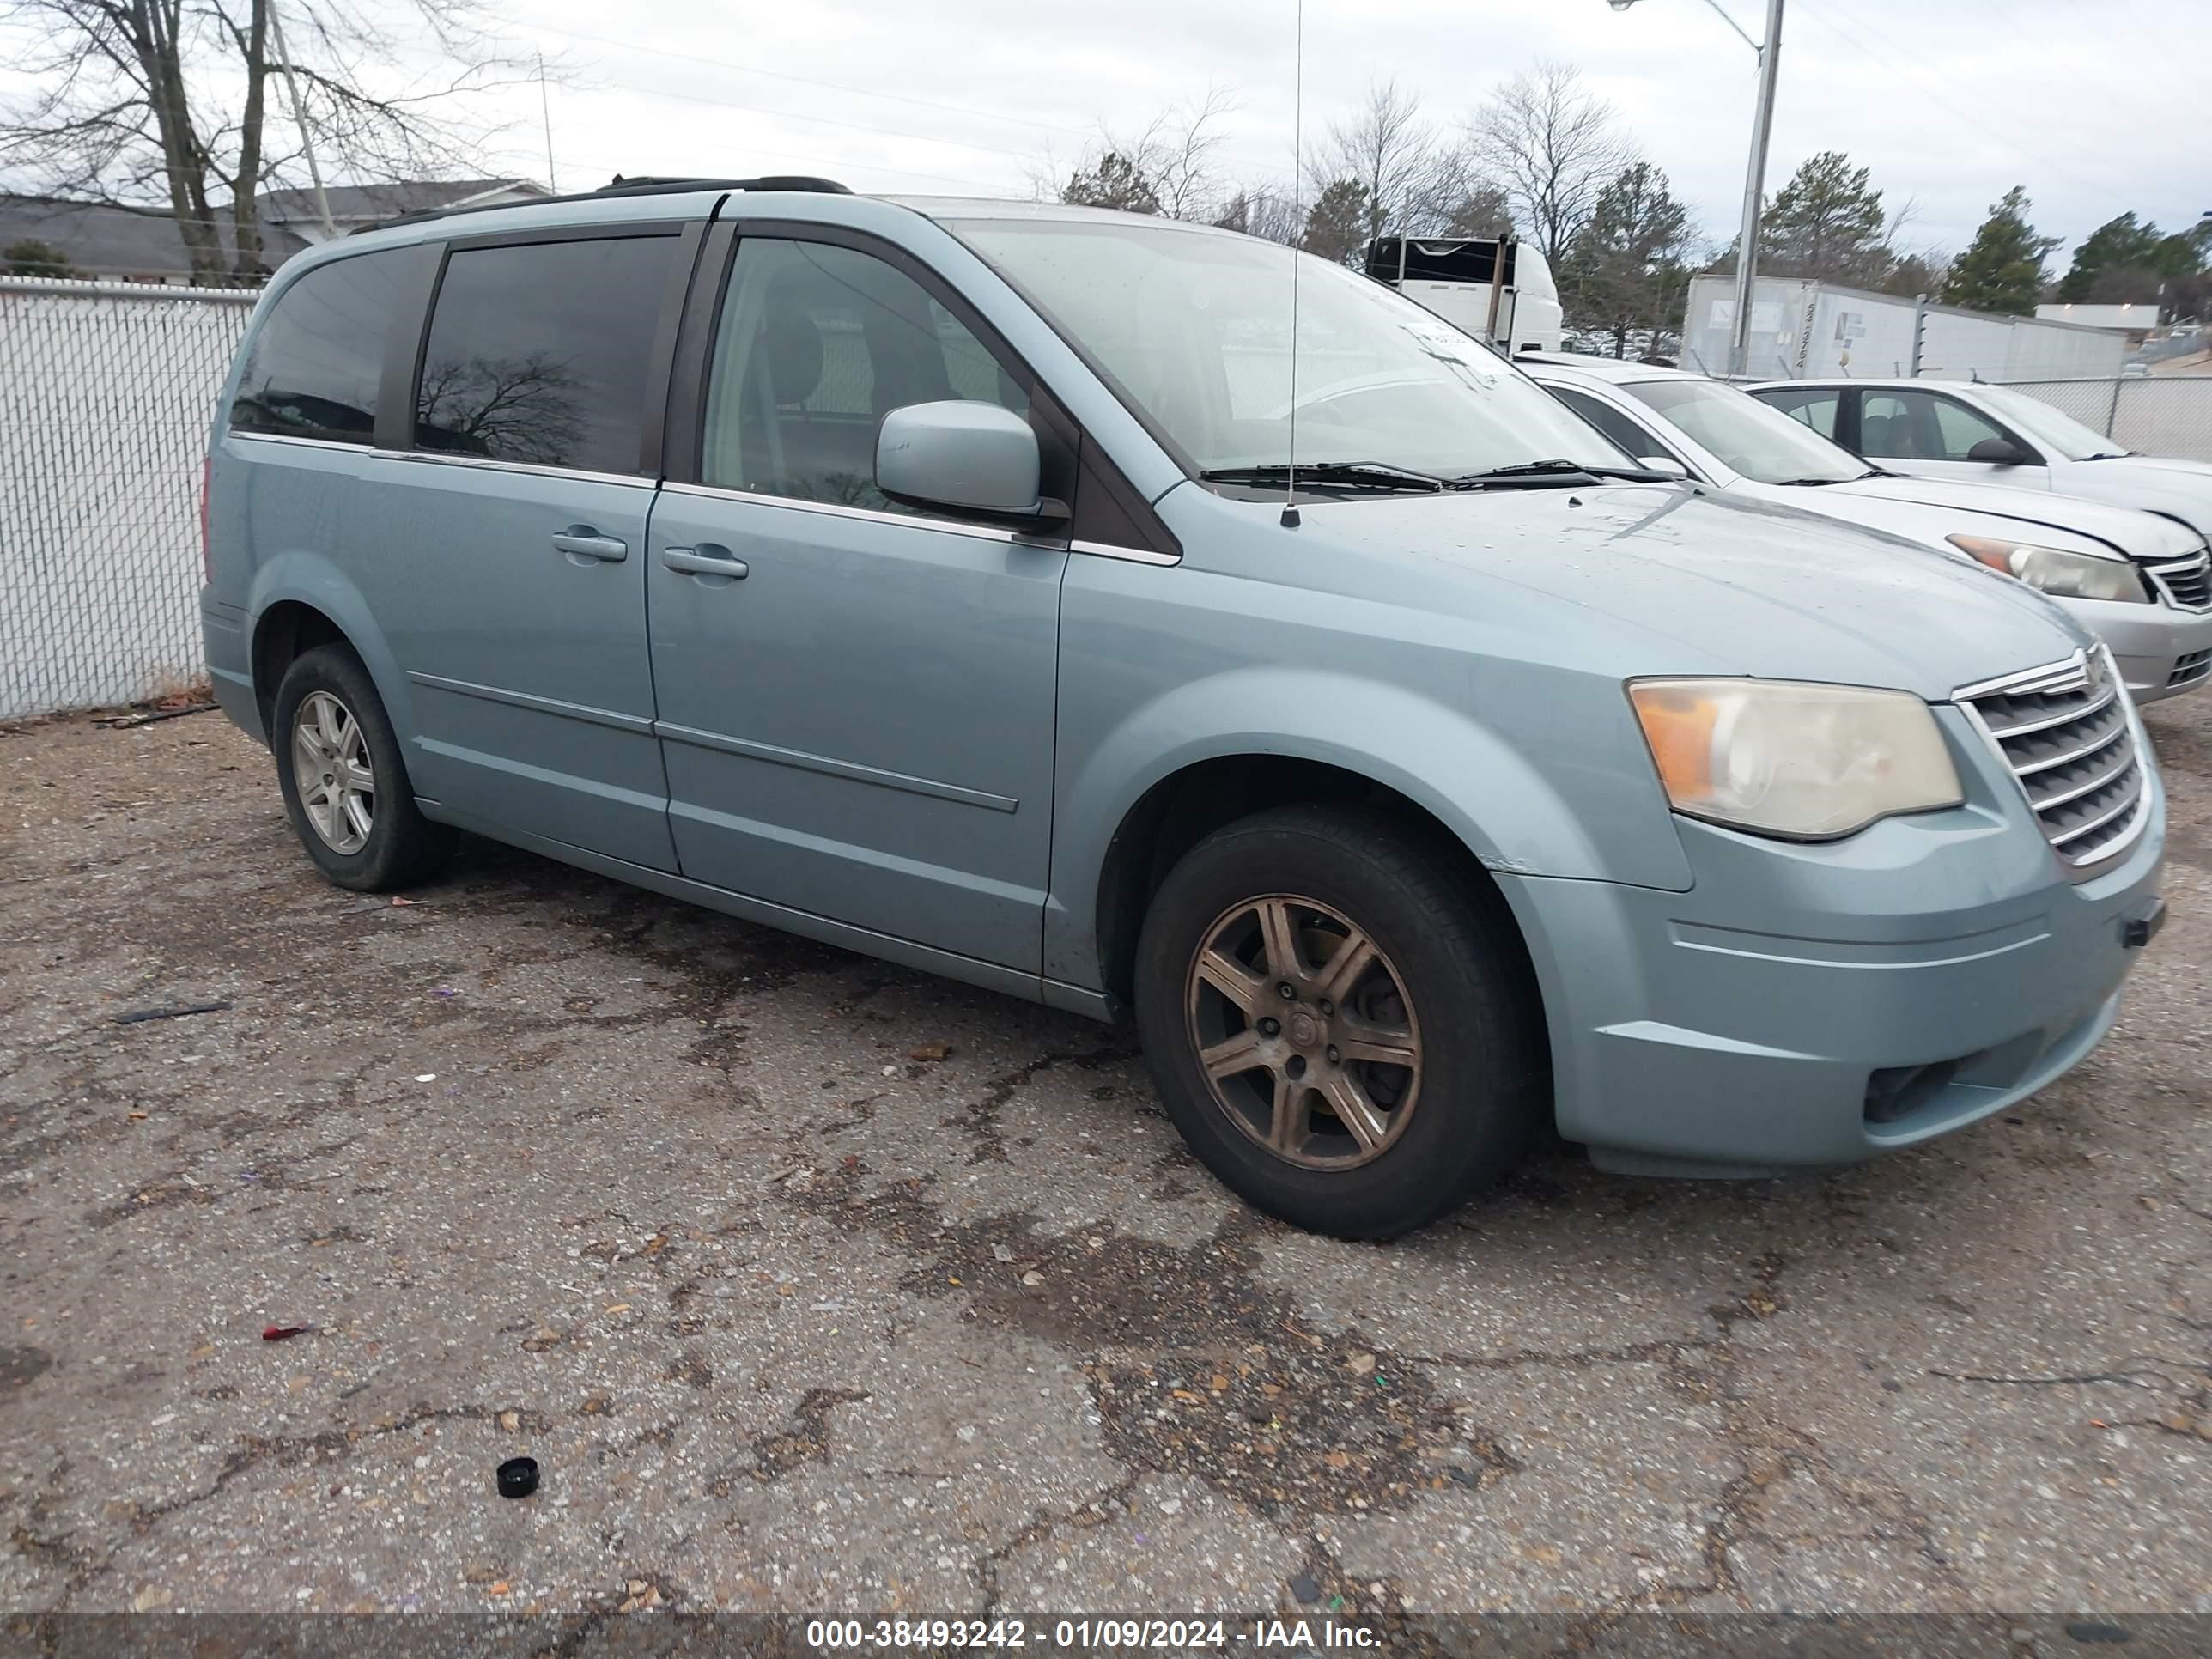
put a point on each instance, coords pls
(518, 1477)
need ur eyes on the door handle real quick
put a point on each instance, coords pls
(708, 559)
(582, 542)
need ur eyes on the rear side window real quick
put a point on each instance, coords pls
(539, 353)
(313, 369)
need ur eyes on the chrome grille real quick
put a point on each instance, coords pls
(2188, 670)
(2068, 736)
(2185, 582)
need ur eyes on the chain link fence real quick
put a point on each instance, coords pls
(2151, 414)
(106, 391)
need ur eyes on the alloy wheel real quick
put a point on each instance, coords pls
(1305, 1030)
(331, 770)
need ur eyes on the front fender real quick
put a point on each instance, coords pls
(1471, 778)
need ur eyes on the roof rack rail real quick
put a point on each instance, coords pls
(640, 185)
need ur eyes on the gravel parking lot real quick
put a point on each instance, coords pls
(816, 1285)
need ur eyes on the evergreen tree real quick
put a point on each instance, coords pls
(1115, 182)
(1624, 269)
(2001, 269)
(1827, 224)
(2126, 259)
(1336, 224)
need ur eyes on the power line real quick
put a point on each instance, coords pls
(1899, 62)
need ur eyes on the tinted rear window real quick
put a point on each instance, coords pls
(539, 353)
(313, 369)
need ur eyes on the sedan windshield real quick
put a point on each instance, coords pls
(2048, 427)
(1193, 327)
(1746, 436)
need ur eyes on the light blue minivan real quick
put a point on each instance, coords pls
(928, 577)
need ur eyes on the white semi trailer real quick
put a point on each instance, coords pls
(1806, 329)
(1499, 291)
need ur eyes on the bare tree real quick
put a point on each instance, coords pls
(1551, 145)
(141, 102)
(1170, 166)
(1415, 179)
(1260, 211)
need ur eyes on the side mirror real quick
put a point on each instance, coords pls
(975, 458)
(1998, 452)
(1666, 464)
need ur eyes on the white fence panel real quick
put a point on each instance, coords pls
(106, 391)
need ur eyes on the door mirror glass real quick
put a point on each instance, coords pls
(1997, 451)
(1666, 464)
(977, 458)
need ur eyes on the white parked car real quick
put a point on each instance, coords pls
(2138, 581)
(1992, 435)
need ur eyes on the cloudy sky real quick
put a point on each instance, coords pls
(2096, 105)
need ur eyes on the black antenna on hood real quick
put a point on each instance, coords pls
(1297, 231)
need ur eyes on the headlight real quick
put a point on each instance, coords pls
(2062, 575)
(1782, 758)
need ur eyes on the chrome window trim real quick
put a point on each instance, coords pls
(524, 469)
(363, 448)
(1128, 555)
(837, 510)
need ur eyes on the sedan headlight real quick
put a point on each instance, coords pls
(1784, 758)
(2062, 575)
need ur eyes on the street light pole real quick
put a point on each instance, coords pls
(1754, 186)
(1754, 183)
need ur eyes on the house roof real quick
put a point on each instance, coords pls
(100, 239)
(355, 203)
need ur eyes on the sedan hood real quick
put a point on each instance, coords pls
(1736, 586)
(2131, 533)
(2177, 488)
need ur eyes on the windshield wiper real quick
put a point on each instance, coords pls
(1556, 471)
(1811, 484)
(2110, 455)
(1328, 475)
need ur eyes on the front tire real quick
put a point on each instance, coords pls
(343, 779)
(1339, 1024)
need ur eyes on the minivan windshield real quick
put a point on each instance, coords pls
(1193, 326)
(2049, 427)
(1748, 436)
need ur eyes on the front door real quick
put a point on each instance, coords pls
(506, 548)
(1932, 434)
(856, 701)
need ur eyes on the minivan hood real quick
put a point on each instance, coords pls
(1742, 586)
(2134, 534)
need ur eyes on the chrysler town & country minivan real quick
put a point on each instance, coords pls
(929, 577)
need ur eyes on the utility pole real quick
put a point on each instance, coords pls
(300, 116)
(545, 111)
(1754, 183)
(1755, 187)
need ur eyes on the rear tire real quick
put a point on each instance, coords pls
(1376, 1049)
(345, 781)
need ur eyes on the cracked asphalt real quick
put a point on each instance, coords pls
(815, 1285)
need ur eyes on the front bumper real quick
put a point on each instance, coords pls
(2162, 650)
(1814, 1005)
